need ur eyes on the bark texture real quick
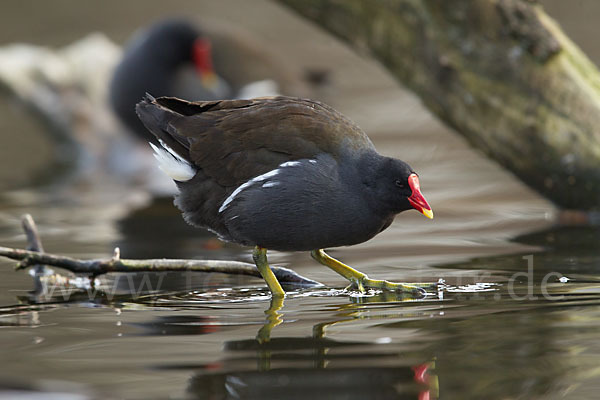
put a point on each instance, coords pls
(500, 72)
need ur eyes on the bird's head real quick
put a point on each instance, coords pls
(399, 186)
(202, 58)
(177, 42)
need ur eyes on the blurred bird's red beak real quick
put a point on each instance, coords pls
(416, 199)
(202, 56)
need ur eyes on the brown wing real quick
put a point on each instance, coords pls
(232, 141)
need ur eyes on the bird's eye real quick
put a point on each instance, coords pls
(399, 184)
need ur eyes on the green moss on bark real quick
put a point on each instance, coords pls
(501, 72)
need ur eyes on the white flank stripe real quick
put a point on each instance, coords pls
(270, 183)
(243, 186)
(289, 164)
(260, 178)
(172, 164)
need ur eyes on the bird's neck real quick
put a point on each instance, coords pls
(368, 176)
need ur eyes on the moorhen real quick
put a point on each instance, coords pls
(280, 173)
(156, 60)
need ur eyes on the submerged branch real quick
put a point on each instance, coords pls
(28, 258)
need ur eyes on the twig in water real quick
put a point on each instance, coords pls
(34, 243)
(94, 267)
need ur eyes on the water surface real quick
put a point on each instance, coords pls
(516, 315)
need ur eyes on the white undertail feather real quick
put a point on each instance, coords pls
(172, 163)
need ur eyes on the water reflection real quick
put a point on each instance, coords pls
(142, 232)
(370, 382)
(223, 339)
(472, 338)
(315, 366)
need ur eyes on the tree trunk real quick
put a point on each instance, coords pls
(500, 72)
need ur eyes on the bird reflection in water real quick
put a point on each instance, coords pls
(296, 366)
(316, 366)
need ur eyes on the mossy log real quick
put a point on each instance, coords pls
(500, 72)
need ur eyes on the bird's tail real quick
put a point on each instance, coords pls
(157, 116)
(173, 156)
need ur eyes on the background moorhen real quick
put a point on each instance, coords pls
(280, 173)
(161, 60)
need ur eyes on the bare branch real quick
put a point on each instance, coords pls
(29, 258)
(35, 256)
(34, 243)
(33, 238)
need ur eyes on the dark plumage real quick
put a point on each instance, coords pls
(281, 173)
(153, 61)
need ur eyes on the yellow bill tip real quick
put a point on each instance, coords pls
(428, 213)
(209, 79)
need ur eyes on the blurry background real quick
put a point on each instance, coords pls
(291, 51)
(84, 207)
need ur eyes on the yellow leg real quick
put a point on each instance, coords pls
(260, 259)
(359, 279)
(274, 318)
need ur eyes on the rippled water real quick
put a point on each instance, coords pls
(485, 333)
(516, 313)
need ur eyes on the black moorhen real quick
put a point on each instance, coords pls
(154, 61)
(280, 173)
